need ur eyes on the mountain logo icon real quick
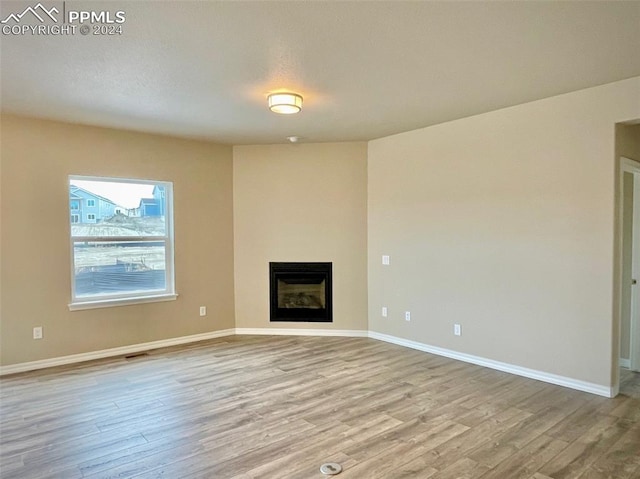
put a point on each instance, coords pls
(39, 11)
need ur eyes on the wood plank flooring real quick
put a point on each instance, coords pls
(249, 407)
(629, 383)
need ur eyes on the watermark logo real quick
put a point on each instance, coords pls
(17, 18)
(40, 20)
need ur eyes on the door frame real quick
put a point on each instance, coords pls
(630, 166)
(634, 333)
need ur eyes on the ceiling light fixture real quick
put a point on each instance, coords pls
(285, 103)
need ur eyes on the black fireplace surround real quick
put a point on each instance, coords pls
(301, 292)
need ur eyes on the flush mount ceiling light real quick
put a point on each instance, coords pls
(285, 103)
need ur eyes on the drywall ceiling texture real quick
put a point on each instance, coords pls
(366, 69)
(37, 157)
(301, 203)
(504, 223)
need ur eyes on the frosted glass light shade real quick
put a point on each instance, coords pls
(285, 103)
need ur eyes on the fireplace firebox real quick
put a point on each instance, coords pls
(301, 292)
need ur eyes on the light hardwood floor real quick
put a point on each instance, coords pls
(629, 383)
(278, 407)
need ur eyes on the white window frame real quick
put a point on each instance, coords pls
(89, 216)
(76, 216)
(91, 202)
(121, 299)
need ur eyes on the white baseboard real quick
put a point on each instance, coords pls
(500, 366)
(625, 363)
(352, 333)
(106, 353)
(135, 348)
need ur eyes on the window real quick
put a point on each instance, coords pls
(91, 202)
(122, 258)
(75, 205)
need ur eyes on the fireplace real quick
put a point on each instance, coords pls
(300, 292)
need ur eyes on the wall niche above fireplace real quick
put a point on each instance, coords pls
(300, 292)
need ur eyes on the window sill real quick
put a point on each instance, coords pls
(110, 303)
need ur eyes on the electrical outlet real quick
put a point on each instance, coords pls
(384, 311)
(407, 316)
(203, 310)
(37, 332)
(457, 330)
(386, 260)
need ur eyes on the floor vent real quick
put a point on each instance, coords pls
(331, 468)
(136, 355)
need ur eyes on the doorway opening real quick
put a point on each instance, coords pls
(629, 277)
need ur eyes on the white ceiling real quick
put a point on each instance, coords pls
(365, 69)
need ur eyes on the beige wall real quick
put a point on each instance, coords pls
(628, 146)
(304, 202)
(504, 223)
(37, 157)
(628, 141)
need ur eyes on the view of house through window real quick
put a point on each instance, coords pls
(121, 238)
